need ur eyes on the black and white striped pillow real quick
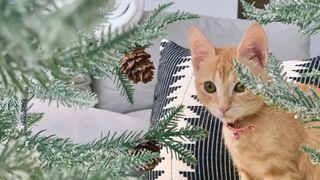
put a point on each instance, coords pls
(294, 68)
(175, 86)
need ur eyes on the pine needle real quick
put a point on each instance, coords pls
(63, 93)
(314, 154)
(123, 84)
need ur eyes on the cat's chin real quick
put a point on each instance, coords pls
(226, 118)
(229, 120)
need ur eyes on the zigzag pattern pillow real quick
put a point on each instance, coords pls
(295, 67)
(175, 86)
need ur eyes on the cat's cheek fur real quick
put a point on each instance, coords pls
(208, 100)
(247, 104)
(205, 99)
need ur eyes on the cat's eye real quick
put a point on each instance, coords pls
(239, 87)
(210, 87)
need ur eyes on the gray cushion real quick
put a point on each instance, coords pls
(284, 42)
(141, 114)
(110, 98)
(86, 125)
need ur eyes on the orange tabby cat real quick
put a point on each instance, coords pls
(263, 141)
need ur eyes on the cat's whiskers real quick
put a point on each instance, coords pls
(258, 113)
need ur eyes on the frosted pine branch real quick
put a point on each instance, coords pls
(156, 24)
(122, 83)
(314, 74)
(303, 13)
(314, 154)
(165, 132)
(17, 163)
(279, 93)
(63, 93)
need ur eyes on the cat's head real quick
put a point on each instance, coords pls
(217, 85)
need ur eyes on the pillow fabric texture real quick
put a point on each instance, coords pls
(294, 68)
(175, 86)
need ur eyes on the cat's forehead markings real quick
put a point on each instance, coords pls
(217, 78)
(230, 78)
(224, 79)
(224, 71)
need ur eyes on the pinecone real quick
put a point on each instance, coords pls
(150, 145)
(137, 66)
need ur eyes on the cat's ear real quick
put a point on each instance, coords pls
(254, 45)
(199, 46)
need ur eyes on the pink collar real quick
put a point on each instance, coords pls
(236, 131)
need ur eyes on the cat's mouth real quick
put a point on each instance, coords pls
(239, 126)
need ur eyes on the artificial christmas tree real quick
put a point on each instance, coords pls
(43, 45)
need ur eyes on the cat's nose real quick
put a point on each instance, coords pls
(224, 109)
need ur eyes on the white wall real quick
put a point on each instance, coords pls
(219, 8)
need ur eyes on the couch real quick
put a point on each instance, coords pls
(113, 113)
